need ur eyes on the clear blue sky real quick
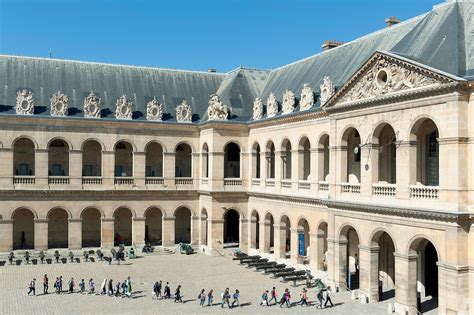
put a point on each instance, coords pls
(191, 34)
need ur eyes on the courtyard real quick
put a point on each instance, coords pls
(193, 272)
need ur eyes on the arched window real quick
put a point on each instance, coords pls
(232, 161)
(351, 156)
(123, 159)
(286, 159)
(425, 133)
(304, 156)
(205, 161)
(154, 160)
(24, 157)
(323, 158)
(91, 159)
(256, 161)
(183, 160)
(270, 158)
(58, 158)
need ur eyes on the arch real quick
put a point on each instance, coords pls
(322, 246)
(58, 157)
(92, 158)
(377, 233)
(236, 142)
(285, 236)
(123, 153)
(23, 228)
(91, 227)
(256, 162)
(270, 159)
(35, 143)
(232, 158)
(416, 241)
(163, 146)
(234, 208)
(232, 218)
(183, 160)
(154, 226)
(123, 226)
(323, 157)
(24, 157)
(351, 155)
(58, 227)
(349, 256)
(182, 228)
(304, 158)
(255, 229)
(416, 123)
(69, 143)
(384, 264)
(102, 214)
(102, 145)
(269, 233)
(205, 160)
(286, 158)
(129, 142)
(384, 156)
(303, 231)
(154, 156)
(185, 143)
(203, 239)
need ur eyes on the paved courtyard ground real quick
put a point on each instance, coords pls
(193, 272)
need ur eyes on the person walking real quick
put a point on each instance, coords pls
(273, 296)
(117, 289)
(91, 286)
(129, 287)
(304, 297)
(103, 287)
(177, 295)
(320, 298)
(210, 297)
(155, 290)
(236, 297)
(45, 284)
(225, 298)
(285, 298)
(71, 285)
(328, 297)
(110, 289)
(82, 286)
(32, 287)
(60, 285)
(202, 297)
(264, 301)
(356, 263)
(124, 288)
(167, 291)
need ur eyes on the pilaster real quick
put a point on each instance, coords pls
(6, 170)
(168, 231)
(107, 231)
(6, 235)
(41, 234)
(138, 234)
(75, 234)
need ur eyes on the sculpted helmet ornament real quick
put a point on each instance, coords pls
(288, 102)
(327, 90)
(307, 97)
(123, 108)
(25, 103)
(257, 109)
(59, 104)
(216, 110)
(272, 105)
(92, 106)
(184, 112)
(154, 110)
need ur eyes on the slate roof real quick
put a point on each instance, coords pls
(442, 39)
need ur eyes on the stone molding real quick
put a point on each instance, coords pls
(371, 249)
(453, 268)
(72, 220)
(169, 218)
(40, 220)
(108, 219)
(404, 257)
(138, 219)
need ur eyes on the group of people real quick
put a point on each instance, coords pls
(121, 289)
(160, 292)
(271, 296)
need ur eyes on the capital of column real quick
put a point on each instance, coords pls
(41, 150)
(216, 153)
(76, 151)
(196, 217)
(407, 144)
(371, 249)
(409, 257)
(41, 220)
(108, 219)
(340, 148)
(168, 153)
(215, 220)
(139, 153)
(337, 242)
(6, 222)
(169, 218)
(75, 220)
(279, 227)
(139, 219)
(108, 152)
(6, 149)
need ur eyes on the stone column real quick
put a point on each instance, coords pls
(168, 231)
(6, 235)
(453, 288)
(267, 227)
(203, 231)
(314, 246)
(169, 165)
(138, 233)
(340, 166)
(279, 241)
(405, 284)
(75, 234)
(296, 165)
(453, 179)
(195, 157)
(366, 168)
(41, 168)
(195, 230)
(406, 168)
(278, 170)
(139, 164)
(245, 171)
(369, 271)
(75, 169)
(263, 167)
(6, 171)
(338, 264)
(261, 237)
(108, 169)
(253, 233)
(216, 170)
(244, 236)
(41, 234)
(294, 246)
(216, 234)
(315, 172)
(107, 231)
(320, 250)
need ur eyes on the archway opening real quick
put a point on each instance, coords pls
(24, 157)
(385, 137)
(123, 227)
(183, 160)
(23, 229)
(92, 159)
(153, 226)
(182, 229)
(91, 228)
(385, 265)
(304, 154)
(425, 133)
(204, 226)
(286, 159)
(154, 160)
(285, 237)
(322, 246)
(270, 158)
(205, 161)
(269, 233)
(323, 158)
(303, 238)
(255, 230)
(351, 156)
(58, 228)
(349, 258)
(256, 161)
(231, 228)
(58, 158)
(123, 159)
(232, 161)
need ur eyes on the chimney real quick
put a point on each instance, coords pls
(330, 44)
(392, 21)
(212, 70)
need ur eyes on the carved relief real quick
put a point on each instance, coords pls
(216, 110)
(92, 106)
(257, 109)
(123, 108)
(184, 112)
(154, 110)
(327, 90)
(272, 105)
(25, 103)
(288, 102)
(59, 104)
(386, 77)
(307, 97)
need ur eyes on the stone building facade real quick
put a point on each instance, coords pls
(358, 154)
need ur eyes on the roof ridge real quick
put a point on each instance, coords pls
(112, 64)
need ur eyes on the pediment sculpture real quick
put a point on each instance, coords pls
(25, 103)
(59, 104)
(327, 90)
(123, 108)
(154, 110)
(184, 112)
(307, 97)
(272, 105)
(289, 102)
(216, 110)
(92, 106)
(257, 109)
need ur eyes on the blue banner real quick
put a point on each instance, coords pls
(301, 250)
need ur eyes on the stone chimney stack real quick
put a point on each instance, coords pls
(212, 70)
(330, 44)
(392, 21)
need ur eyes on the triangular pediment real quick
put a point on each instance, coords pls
(383, 76)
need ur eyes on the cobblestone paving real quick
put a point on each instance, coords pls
(193, 272)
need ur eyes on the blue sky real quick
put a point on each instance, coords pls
(191, 34)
